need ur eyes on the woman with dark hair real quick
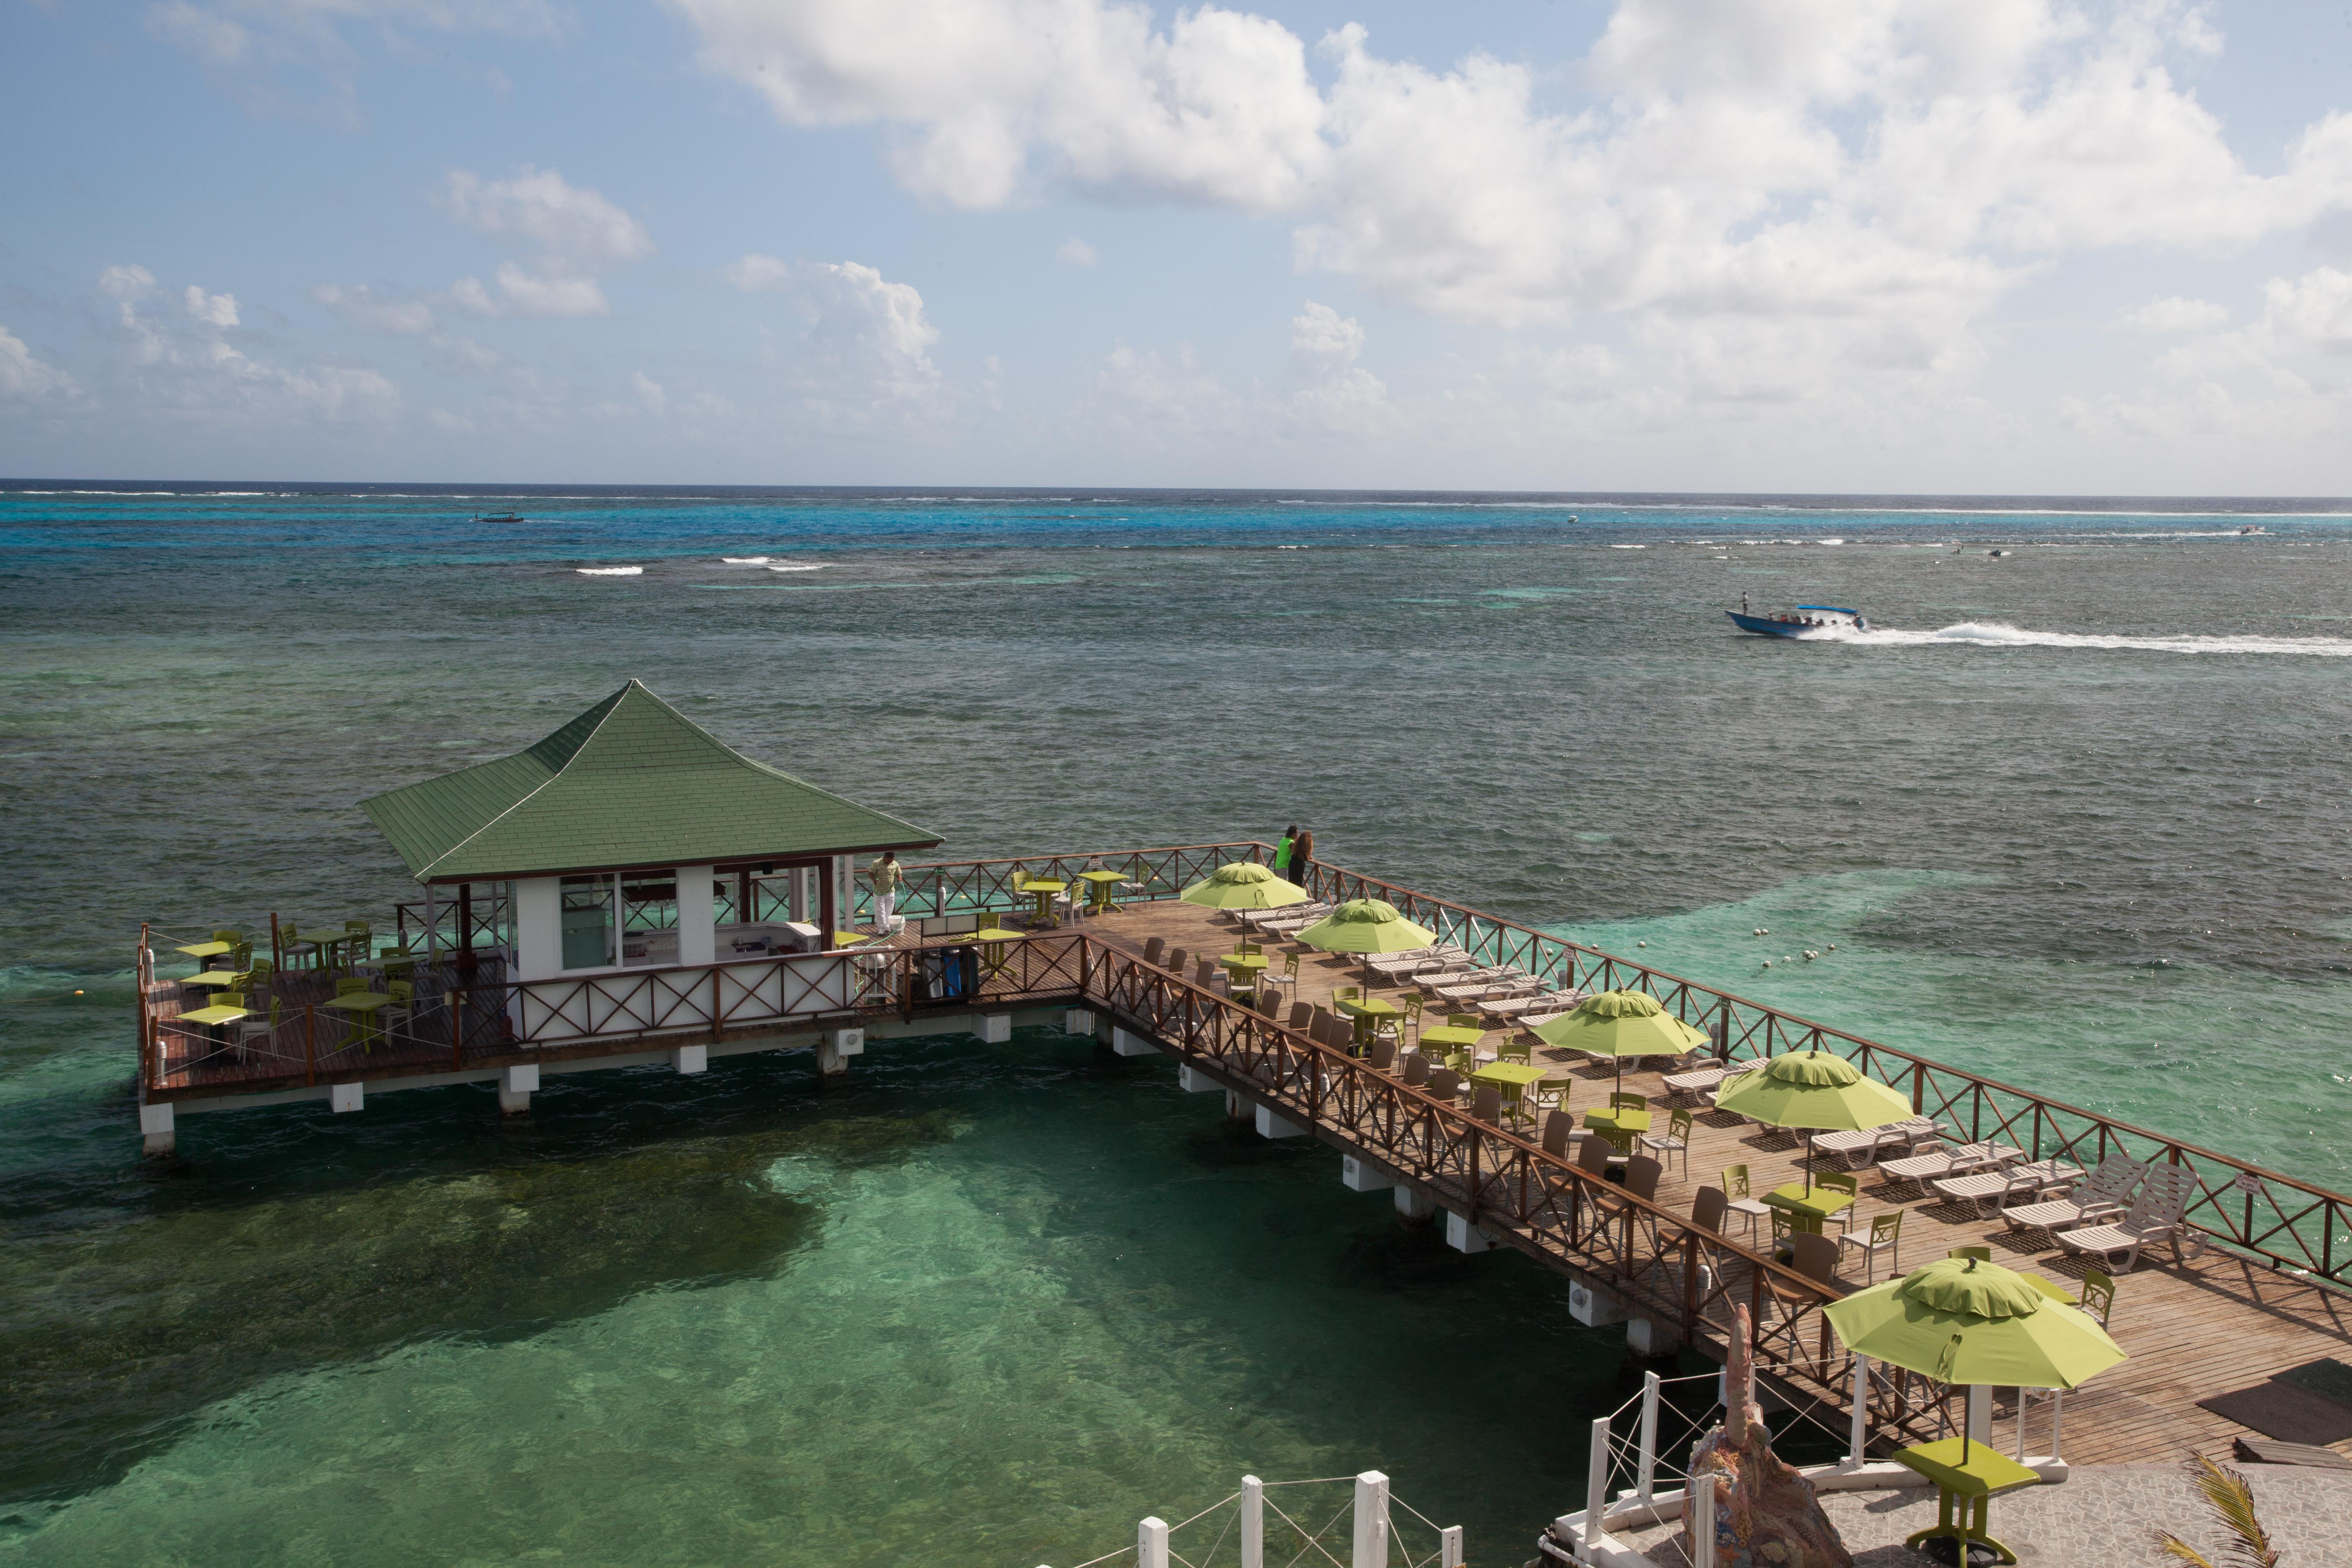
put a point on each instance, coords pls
(1302, 850)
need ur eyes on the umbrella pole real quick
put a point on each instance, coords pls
(1809, 1161)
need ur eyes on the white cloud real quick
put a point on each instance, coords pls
(1075, 252)
(756, 272)
(220, 310)
(868, 338)
(1322, 336)
(207, 35)
(131, 282)
(2176, 314)
(1217, 108)
(1775, 201)
(1163, 400)
(235, 32)
(578, 231)
(648, 391)
(2311, 312)
(23, 378)
(360, 308)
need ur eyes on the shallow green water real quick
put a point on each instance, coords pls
(2077, 819)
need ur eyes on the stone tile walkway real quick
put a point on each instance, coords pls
(2102, 1516)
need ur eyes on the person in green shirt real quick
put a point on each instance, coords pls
(1282, 851)
(886, 877)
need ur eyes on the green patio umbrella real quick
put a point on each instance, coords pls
(1366, 926)
(1964, 1322)
(1244, 885)
(1621, 1024)
(1814, 1091)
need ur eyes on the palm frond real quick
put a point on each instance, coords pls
(2232, 1500)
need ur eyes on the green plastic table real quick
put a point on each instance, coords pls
(1250, 964)
(1513, 1078)
(215, 979)
(363, 1006)
(1452, 1035)
(1809, 1209)
(1620, 1127)
(1098, 887)
(1043, 892)
(208, 1016)
(994, 938)
(206, 949)
(1987, 1472)
(1367, 1014)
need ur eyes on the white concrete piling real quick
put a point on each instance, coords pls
(343, 1097)
(1269, 1125)
(1152, 1543)
(1078, 1021)
(1465, 1238)
(1191, 1080)
(516, 1086)
(993, 1028)
(1449, 1547)
(1596, 1478)
(689, 1059)
(1359, 1177)
(157, 1128)
(1371, 1543)
(1414, 1204)
(1253, 1523)
(1125, 1043)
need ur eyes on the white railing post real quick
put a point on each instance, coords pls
(1371, 1520)
(1253, 1523)
(1449, 1547)
(1707, 1499)
(1646, 1482)
(1152, 1543)
(1596, 1480)
(1860, 1427)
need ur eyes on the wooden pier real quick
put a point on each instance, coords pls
(2258, 1292)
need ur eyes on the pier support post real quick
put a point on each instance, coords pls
(1464, 1236)
(993, 1028)
(157, 1129)
(834, 1049)
(1359, 1177)
(343, 1097)
(1194, 1083)
(1412, 1204)
(1650, 1338)
(1078, 1021)
(1645, 1479)
(1269, 1125)
(1371, 1542)
(1592, 1309)
(1449, 1547)
(1253, 1523)
(1236, 1108)
(1152, 1543)
(689, 1059)
(516, 1085)
(1123, 1044)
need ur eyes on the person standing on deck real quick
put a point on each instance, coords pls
(1282, 851)
(886, 877)
(1302, 850)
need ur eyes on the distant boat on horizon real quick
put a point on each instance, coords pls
(501, 517)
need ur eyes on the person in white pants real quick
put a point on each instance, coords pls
(886, 877)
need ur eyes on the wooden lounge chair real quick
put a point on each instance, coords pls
(2154, 1216)
(2101, 1197)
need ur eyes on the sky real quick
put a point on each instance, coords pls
(1849, 245)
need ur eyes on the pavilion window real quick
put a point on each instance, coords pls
(588, 924)
(648, 917)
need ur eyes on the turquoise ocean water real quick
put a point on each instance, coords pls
(2073, 817)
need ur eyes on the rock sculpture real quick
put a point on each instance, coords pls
(1766, 1513)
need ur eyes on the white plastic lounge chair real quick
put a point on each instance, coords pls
(1995, 1189)
(1704, 1075)
(2103, 1197)
(2155, 1216)
(1922, 1169)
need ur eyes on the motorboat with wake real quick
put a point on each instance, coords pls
(1798, 622)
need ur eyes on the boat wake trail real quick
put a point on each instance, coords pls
(1992, 634)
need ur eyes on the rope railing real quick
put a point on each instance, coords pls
(1242, 1537)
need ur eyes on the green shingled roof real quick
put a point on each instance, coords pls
(631, 782)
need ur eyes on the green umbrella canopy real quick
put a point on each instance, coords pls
(1244, 885)
(1365, 925)
(1816, 1092)
(1963, 1321)
(1622, 1024)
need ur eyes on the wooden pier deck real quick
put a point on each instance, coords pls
(2194, 1330)
(2271, 1295)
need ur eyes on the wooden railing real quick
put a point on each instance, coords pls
(2279, 1220)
